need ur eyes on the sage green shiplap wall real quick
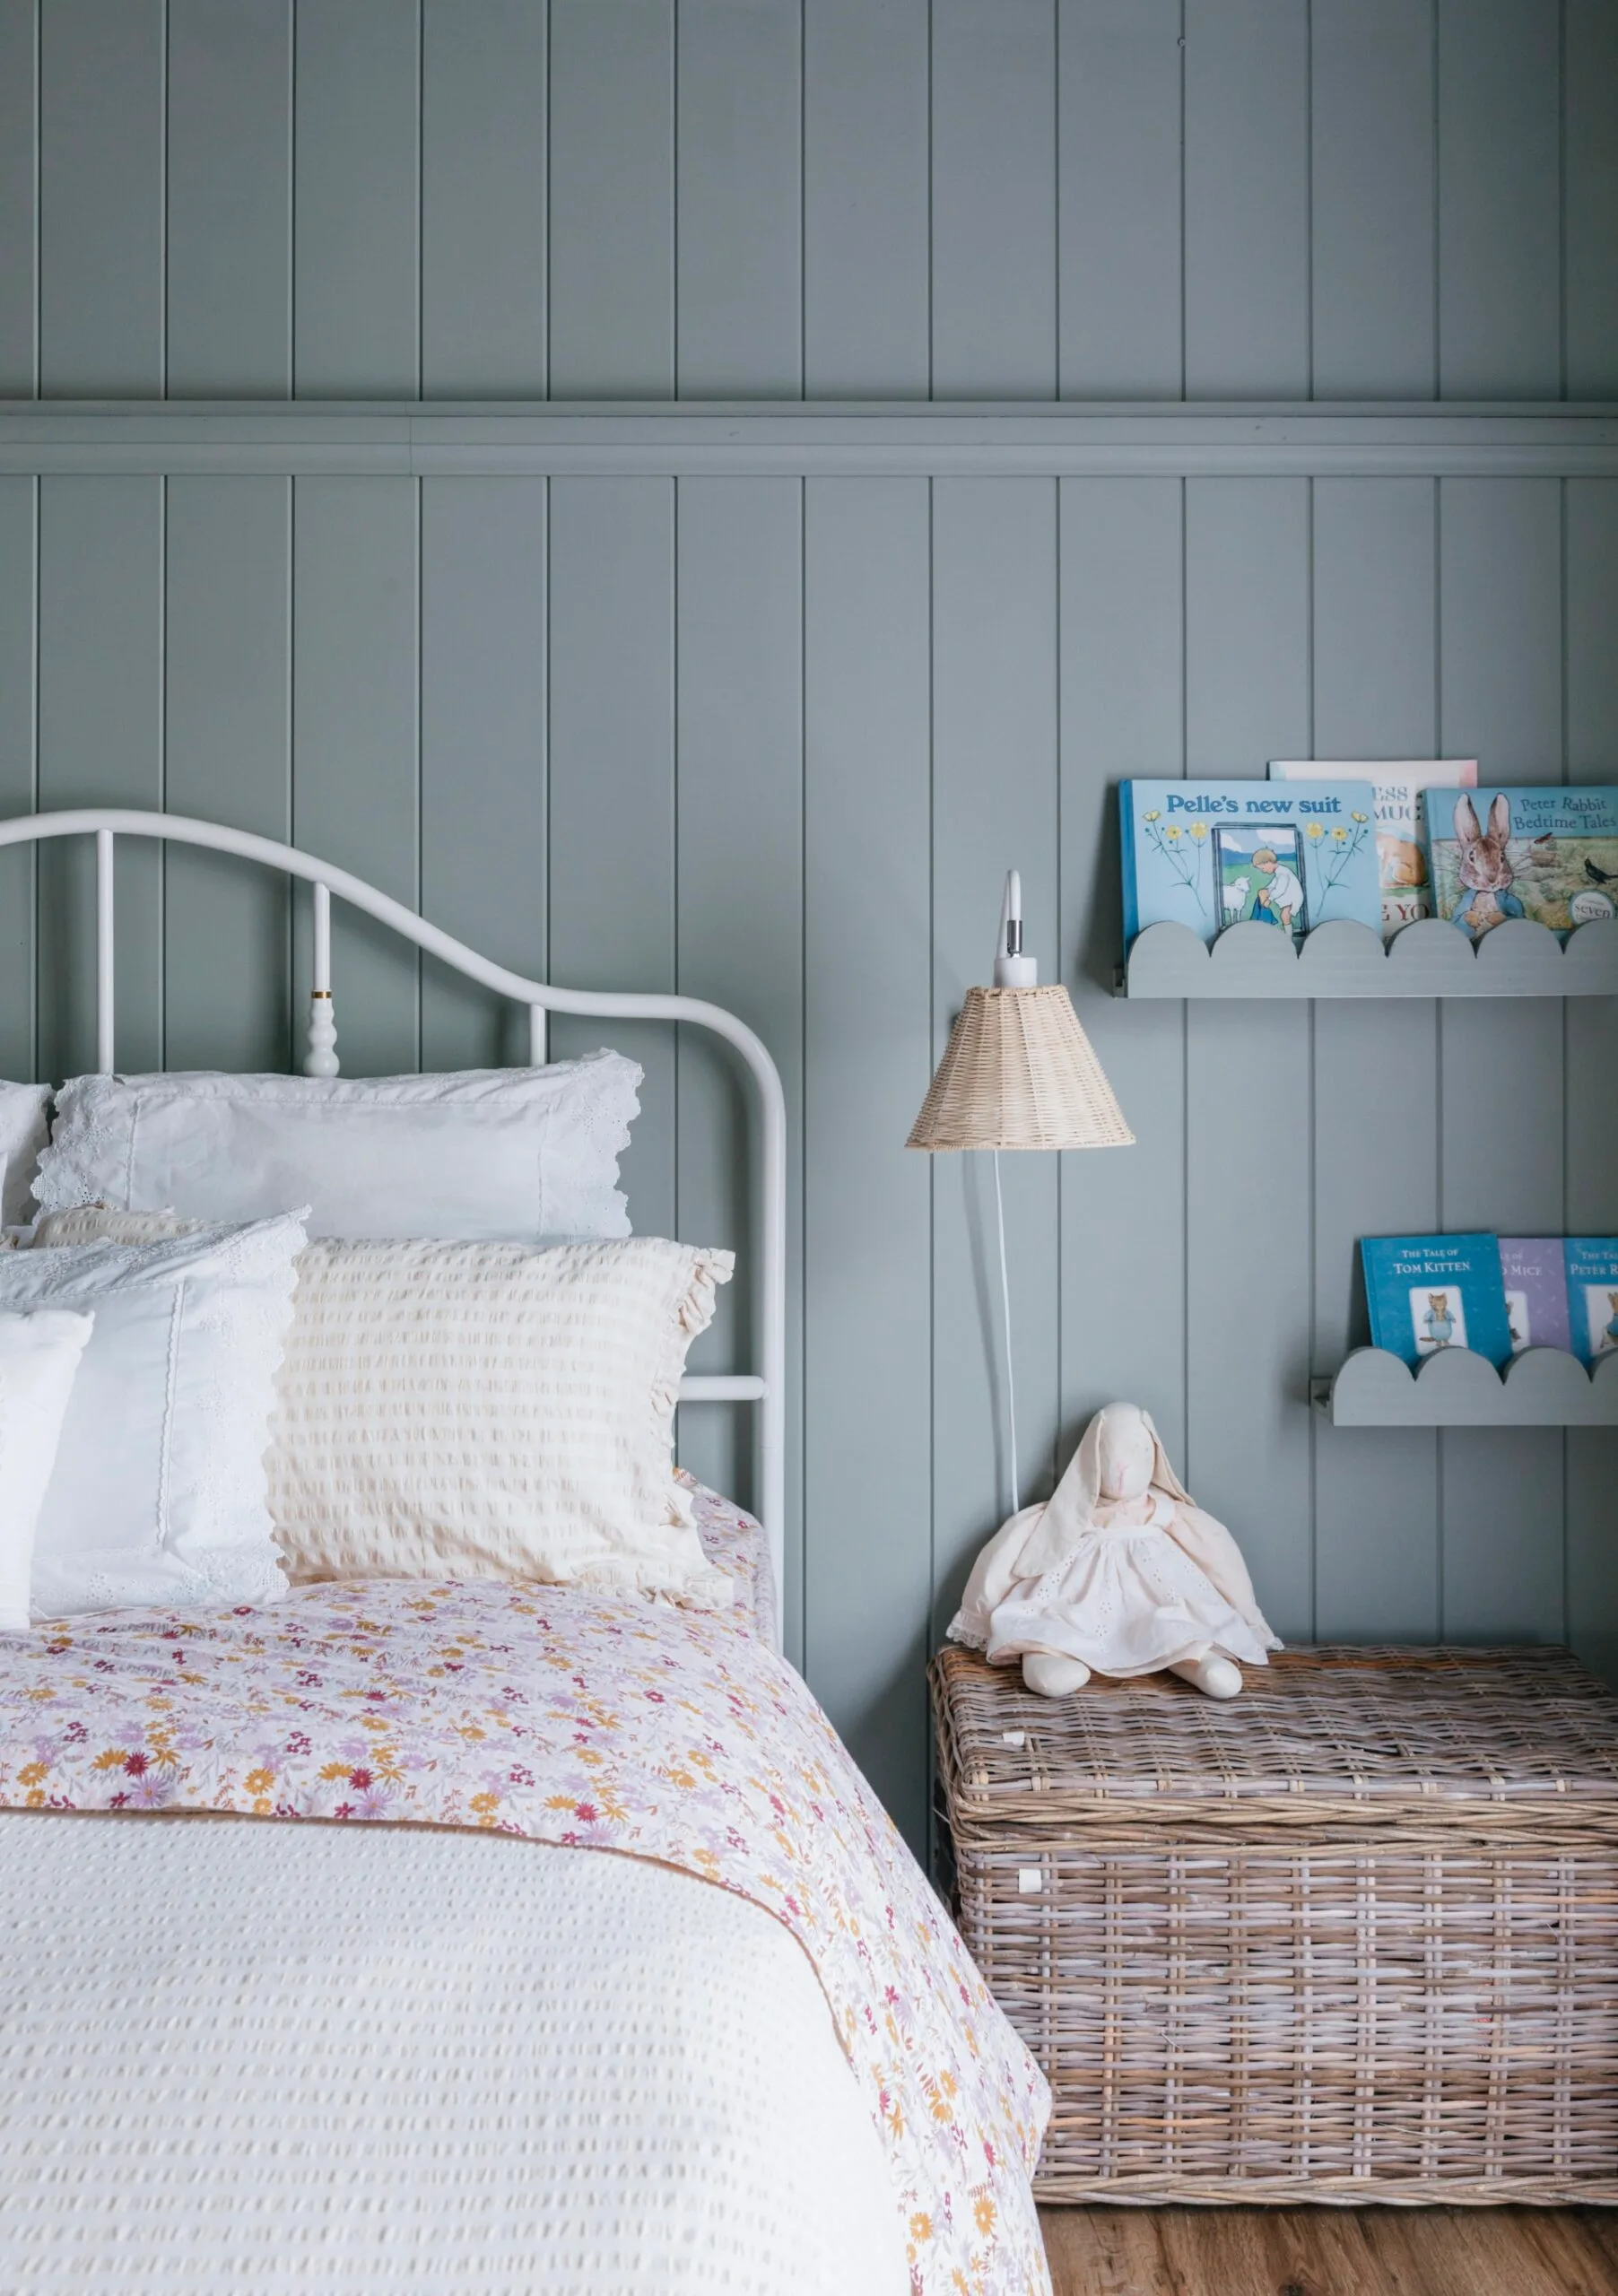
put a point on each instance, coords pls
(775, 740)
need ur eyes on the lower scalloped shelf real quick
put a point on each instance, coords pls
(1541, 1387)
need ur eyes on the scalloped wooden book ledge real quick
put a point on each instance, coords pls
(1542, 1387)
(1432, 958)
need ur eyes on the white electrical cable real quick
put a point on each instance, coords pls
(1010, 1384)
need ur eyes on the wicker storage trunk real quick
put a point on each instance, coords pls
(1352, 1937)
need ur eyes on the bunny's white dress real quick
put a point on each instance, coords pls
(1129, 1585)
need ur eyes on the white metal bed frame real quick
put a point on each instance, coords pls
(767, 1387)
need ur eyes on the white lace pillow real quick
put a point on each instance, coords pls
(461, 1411)
(24, 1125)
(39, 1357)
(157, 1497)
(484, 1154)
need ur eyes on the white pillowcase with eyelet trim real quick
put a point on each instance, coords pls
(38, 1358)
(479, 1154)
(158, 1494)
(24, 1128)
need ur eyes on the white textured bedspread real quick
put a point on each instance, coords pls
(239, 2059)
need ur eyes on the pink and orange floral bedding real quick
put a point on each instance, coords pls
(736, 1541)
(665, 1734)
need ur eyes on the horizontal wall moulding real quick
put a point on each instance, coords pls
(1341, 959)
(810, 437)
(1542, 1387)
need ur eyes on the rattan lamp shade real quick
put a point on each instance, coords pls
(1019, 1071)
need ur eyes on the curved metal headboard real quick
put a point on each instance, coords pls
(767, 1387)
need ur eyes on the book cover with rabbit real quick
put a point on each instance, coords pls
(1592, 1266)
(1209, 854)
(1548, 853)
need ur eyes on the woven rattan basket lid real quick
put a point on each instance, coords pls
(1019, 1071)
(1356, 1733)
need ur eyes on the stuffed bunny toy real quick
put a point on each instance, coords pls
(1117, 1573)
(1485, 866)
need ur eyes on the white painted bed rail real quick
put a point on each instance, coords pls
(766, 1387)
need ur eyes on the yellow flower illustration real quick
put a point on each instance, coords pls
(1315, 831)
(1155, 814)
(1361, 817)
(1339, 832)
(983, 2212)
(1172, 832)
(1199, 830)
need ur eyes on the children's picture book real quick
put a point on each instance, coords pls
(1592, 1268)
(1550, 853)
(1429, 1292)
(1208, 853)
(1397, 784)
(1534, 1271)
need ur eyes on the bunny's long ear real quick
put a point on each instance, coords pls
(1465, 819)
(1500, 816)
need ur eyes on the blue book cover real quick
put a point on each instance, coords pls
(1592, 1266)
(1548, 853)
(1208, 853)
(1429, 1292)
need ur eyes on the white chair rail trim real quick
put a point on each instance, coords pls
(767, 1387)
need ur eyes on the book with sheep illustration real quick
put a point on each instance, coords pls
(1548, 853)
(1211, 854)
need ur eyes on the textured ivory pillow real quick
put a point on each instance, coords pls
(480, 1153)
(157, 1496)
(39, 1357)
(24, 1128)
(459, 1411)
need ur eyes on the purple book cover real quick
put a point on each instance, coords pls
(1537, 1291)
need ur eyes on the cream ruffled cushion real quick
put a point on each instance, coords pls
(475, 1411)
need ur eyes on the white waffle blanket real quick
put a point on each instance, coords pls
(241, 2058)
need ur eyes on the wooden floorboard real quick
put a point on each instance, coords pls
(1332, 2251)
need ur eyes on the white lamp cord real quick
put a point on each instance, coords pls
(1010, 1384)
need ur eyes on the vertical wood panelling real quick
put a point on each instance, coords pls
(1591, 197)
(1374, 284)
(611, 838)
(357, 124)
(228, 758)
(17, 497)
(994, 806)
(1247, 1203)
(739, 872)
(1122, 712)
(612, 199)
(19, 157)
(1501, 1076)
(1119, 90)
(100, 743)
(866, 199)
(1247, 200)
(355, 787)
(484, 163)
(738, 303)
(994, 199)
(228, 211)
(1375, 695)
(101, 199)
(775, 744)
(1499, 127)
(868, 1402)
(482, 753)
(1592, 1047)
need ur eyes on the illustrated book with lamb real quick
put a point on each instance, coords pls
(1212, 854)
